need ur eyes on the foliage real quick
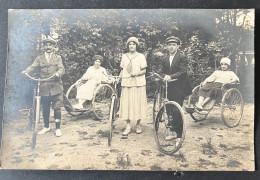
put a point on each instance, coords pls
(206, 35)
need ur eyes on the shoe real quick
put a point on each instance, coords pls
(78, 106)
(138, 129)
(44, 130)
(189, 109)
(198, 106)
(178, 141)
(58, 132)
(170, 137)
(127, 131)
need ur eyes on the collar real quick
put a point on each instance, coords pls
(50, 54)
(173, 54)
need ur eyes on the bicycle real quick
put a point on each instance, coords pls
(164, 111)
(114, 105)
(35, 110)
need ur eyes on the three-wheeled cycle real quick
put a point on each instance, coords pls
(100, 102)
(167, 116)
(229, 100)
(36, 106)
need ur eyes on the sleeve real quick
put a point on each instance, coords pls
(33, 66)
(61, 69)
(211, 78)
(122, 64)
(234, 77)
(87, 74)
(104, 74)
(143, 64)
(162, 72)
(183, 66)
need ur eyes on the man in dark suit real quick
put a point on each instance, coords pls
(51, 92)
(174, 66)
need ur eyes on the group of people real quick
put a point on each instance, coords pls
(133, 101)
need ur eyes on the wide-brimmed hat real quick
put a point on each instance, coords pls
(225, 60)
(97, 57)
(49, 39)
(173, 39)
(132, 39)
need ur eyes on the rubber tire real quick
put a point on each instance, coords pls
(160, 148)
(225, 119)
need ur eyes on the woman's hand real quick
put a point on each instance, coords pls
(78, 82)
(135, 74)
(203, 83)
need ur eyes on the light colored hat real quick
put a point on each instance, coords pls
(49, 39)
(132, 39)
(97, 57)
(173, 39)
(225, 60)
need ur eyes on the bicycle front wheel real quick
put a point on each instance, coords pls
(36, 121)
(169, 128)
(102, 100)
(156, 104)
(111, 119)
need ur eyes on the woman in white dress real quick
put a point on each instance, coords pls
(133, 102)
(87, 85)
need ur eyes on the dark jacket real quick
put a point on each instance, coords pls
(45, 70)
(177, 70)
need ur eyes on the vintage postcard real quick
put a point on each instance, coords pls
(135, 89)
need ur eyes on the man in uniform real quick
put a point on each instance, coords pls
(174, 66)
(51, 92)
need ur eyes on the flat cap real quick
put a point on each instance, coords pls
(49, 39)
(173, 39)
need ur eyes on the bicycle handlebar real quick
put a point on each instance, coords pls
(159, 76)
(116, 76)
(35, 79)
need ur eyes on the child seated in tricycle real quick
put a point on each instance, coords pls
(211, 86)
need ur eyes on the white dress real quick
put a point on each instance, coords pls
(93, 77)
(133, 101)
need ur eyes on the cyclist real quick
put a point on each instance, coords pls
(51, 92)
(174, 66)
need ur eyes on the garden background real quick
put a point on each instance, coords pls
(207, 35)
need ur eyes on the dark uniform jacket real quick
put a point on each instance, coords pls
(178, 70)
(45, 70)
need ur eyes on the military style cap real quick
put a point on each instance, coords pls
(173, 39)
(49, 39)
(97, 57)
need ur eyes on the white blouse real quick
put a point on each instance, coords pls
(138, 64)
(222, 77)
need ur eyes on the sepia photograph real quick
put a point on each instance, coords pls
(129, 89)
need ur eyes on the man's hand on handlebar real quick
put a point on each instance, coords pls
(24, 72)
(167, 78)
(57, 75)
